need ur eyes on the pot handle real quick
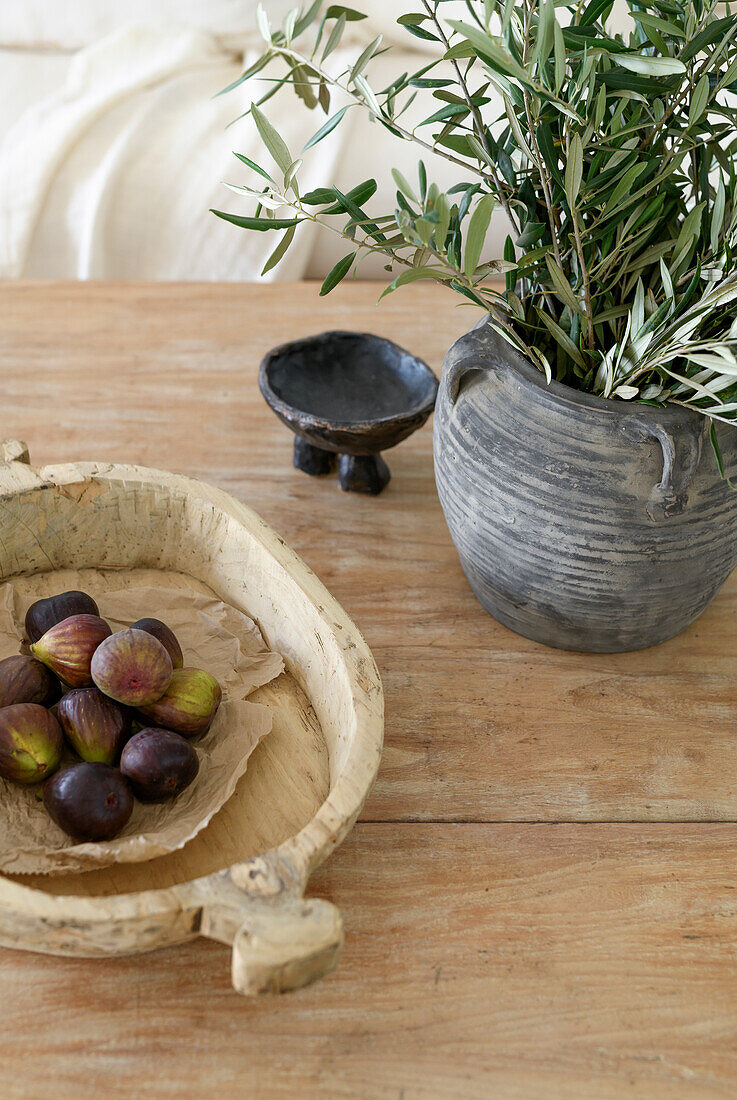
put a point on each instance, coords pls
(457, 370)
(681, 457)
(280, 943)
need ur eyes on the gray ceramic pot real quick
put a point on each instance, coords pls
(584, 523)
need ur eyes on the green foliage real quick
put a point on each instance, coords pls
(613, 157)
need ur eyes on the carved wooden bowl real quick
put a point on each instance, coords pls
(347, 395)
(242, 880)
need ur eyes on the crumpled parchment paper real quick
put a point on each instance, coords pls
(213, 636)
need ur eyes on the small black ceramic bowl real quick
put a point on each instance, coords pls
(349, 394)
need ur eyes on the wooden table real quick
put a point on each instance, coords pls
(540, 898)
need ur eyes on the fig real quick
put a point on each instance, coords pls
(26, 680)
(89, 801)
(166, 636)
(158, 764)
(188, 705)
(95, 726)
(31, 743)
(43, 614)
(132, 667)
(67, 648)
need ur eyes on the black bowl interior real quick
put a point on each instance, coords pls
(350, 378)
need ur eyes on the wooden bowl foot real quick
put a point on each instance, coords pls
(363, 474)
(311, 460)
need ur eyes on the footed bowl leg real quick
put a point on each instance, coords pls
(363, 474)
(312, 460)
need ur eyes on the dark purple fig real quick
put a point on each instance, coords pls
(31, 743)
(166, 636)
(158, 764)
(43, 614)
(95, 726)
(67, 648)
(132, 667)
(26, 680)
(89, 801)
(189, 704)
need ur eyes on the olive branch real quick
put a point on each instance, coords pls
(611, 156)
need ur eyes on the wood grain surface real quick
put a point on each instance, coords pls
(539, 900)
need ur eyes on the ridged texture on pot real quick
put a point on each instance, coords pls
(581, 523)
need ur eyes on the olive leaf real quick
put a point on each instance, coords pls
(337, 273)
(412, 276)
(699, 100)
(477, 228)
(271, 139)
(562, 286)
(363, 59)
(338, 10)
(402, 184)
(335, 35)
(280, 249)
(651, 66)
(262, 21)
(325, 129)
(256, 167)
(261, 224)
(574, 170)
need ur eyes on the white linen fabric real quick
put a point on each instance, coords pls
(72, 24)
(112, 155)
(112, 174)
(49, 24)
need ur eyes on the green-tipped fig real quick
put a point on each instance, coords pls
(30, 743)
(158, 764)
(188, 705)
(43, 614)
(89, 801)
(166, 636)
(67, 648)
(132, 667)
(26, 680)
(95, 726)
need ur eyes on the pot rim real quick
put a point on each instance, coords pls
(559, 392)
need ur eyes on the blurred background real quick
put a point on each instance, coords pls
(113, 147)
